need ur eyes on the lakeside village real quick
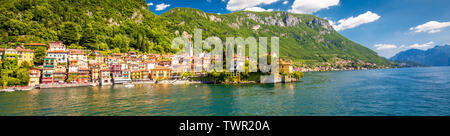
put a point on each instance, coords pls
(64, 67)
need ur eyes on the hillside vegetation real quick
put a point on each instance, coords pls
(123, 25)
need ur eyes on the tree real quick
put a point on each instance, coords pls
(70, 33)
(39, 55)
(89, 37)
(298, 75)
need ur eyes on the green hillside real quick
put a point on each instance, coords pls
(92, 24)
(306, 39)
(123, 25)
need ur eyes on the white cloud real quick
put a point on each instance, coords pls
(161, 6)
(389, 50)
(257, 9)
(234, 5)
(425, 46)
(311, 6)
(150, 4)
(430, 27)
(384, 46)
(353, 22)
(285, 2)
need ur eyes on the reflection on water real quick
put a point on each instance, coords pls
(414, 91)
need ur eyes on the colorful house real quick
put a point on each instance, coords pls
(35, 74)
(139, 75)
(105, 77)
(47, 75)
(60, 74)
(83, 75)
(48, 70)
(285, 67)
(161, 73)
(25, 55)
(58, 50)
(95, 73)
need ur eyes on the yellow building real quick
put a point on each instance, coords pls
(22, 55)
(161, 73)
(95, 72)
(139, 75)
(285, 67)
(35, 74)
(25, 55)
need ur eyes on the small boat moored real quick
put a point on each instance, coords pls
(129, 85)
(7, 90)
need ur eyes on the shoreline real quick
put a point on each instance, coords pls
(169, 82)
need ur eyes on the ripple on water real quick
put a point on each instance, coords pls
(411, 91)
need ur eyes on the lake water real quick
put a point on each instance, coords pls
(407, 91)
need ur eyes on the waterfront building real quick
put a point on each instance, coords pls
(95, 73)
(105, 77)
(83, 75)
(58, 50)
(60, 74)
(161, 73)
(47, 75)
(73, 66)
(80, 56)
(139, 75)
(48, 70)
(35, 74)
(19, 53)
(285, 67)
(119, 75)
(25, 55)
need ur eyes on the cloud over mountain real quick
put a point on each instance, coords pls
(311, 6)
(430, 27)
(353, 22)
(235, 5)
(162, 6)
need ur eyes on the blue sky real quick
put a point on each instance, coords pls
(386, 26)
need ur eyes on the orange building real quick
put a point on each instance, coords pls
(161, 73)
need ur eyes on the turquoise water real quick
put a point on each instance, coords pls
(408, 91)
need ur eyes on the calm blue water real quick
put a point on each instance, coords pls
(409, 91)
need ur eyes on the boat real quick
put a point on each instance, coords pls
(129, 85)
(7, 90)
(26, 89)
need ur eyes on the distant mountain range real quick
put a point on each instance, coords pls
(437, 56)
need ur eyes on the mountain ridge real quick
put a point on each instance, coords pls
(304, 38)
(124, 25)
(436, 56)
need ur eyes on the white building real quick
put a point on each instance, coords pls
(57, 50)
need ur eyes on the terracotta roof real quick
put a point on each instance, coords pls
(161, 68)
(83, 69)
(35, 44)
(77, 53)
(57, 51)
